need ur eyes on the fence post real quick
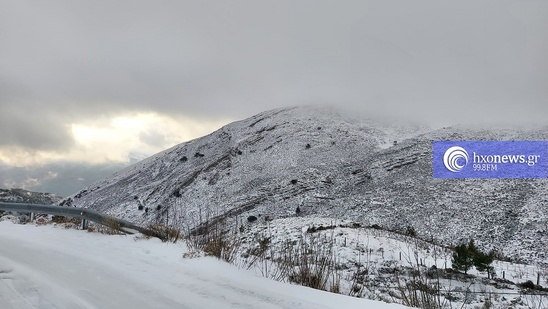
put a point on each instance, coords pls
(84, 224)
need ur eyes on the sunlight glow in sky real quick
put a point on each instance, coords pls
(118, 139)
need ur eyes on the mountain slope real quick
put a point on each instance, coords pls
(24, 196)
(333, 165)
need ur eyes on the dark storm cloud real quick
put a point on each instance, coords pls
(455, 61)
(34, 123)
(28, 129)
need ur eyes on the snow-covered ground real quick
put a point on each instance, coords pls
(376, 255)
(52, 267)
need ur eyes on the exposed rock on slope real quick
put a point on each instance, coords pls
(330, 165)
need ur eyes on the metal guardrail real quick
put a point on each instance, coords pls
(85, 214)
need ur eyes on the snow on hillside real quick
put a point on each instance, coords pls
(25, 196)
(47, 267)
(375, 264)
(330, 164)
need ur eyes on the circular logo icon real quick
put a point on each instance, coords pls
(455, 159)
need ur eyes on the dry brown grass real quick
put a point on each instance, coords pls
(62, 219)
(41, 221)
(217, 240)
(167, 233)
(111, 229)
(311, 263)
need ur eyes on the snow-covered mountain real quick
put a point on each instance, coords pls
(25, 196)
(318, 162)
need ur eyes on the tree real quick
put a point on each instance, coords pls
(472, 249)
(466, 256)
(462, 259)
(482, 261)
(410, 231)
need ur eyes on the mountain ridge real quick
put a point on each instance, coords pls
(24, 196)
(329, 164)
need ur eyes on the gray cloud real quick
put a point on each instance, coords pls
(153, 138)
(444, 62)
(32, 131)
(29, 125)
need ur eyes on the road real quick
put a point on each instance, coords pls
(47, 267)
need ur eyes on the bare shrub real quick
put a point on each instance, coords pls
(311, 262)
(419, 292)
(216, 240)
(535, 301)
(420, 287)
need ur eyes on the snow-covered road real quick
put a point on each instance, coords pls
(47, 267)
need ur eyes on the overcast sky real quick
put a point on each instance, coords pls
(102, 81)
